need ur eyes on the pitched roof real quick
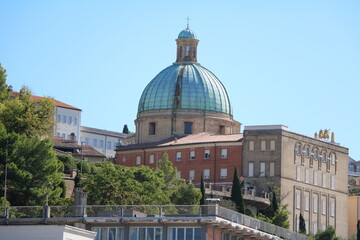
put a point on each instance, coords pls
(204, 137)
(87, 151)
(57, 103)
(104, 132)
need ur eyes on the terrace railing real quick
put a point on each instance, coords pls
(144, 211)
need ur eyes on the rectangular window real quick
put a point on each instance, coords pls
(64, 119)
(324, 180)
(191, 175)
(68, 137)
(315, 203)
(224, 153)
(101, 143)
(124, 159)
(75, 121)
(332, 208)
(58, 134)
(86, 141)
(178, 156)
(251, 145)
(192, 155)
(206, 174)
(315, 228)
(332, 182)
(152, 128)
(69, 120)
(306, 202)
(307, 177)
(251, 169)
(59, 118)
(298, 201)
(142, 233)
(323, 207)
(272, 169)
(182, 233)
(138, 160)
(94, 142)
(272, 145)
(315, 178)
(206, 154)
(108, 145)
(262, 169)
(223, 173)
(178, 174)
(63, 135)
(188, 128)
(112, 233)
(263, 145)
(222, 129)
(151, 159)
(298, 173)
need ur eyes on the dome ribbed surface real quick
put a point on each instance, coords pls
(187, 33)
(185, 86)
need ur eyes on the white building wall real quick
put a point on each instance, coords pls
(103, 143)
(67, 121)
(44, 232)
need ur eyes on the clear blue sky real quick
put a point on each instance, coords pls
(295, 63)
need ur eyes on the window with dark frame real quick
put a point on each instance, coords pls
(152, 128)
(188, 128)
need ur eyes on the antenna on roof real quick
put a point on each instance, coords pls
(188, 19)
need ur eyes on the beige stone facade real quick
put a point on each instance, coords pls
(152, 126)
(310, 173)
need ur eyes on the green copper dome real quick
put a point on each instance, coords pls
(187, 33)
(185, 86)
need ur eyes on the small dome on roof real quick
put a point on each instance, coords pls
(187, 33)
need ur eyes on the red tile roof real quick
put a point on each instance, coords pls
(57, 103)
(199, 138)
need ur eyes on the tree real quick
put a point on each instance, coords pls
(202, 190)
(3, 85)
(328, 234)
(119, 185)
(125, 129)
(32, 169)
(236, 192)
(358, 230)
(23, 115)
(302, 225)
(274, 203)
(281, 217)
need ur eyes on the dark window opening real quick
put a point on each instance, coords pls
(188, 128)
(152, 128)
(222, 129)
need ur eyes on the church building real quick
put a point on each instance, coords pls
(185, 111)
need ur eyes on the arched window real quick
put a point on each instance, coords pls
(298, 149)
(333, 158)
(316, 154)
(307, 152)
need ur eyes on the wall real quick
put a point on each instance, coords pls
(66, 127)
(214, 163)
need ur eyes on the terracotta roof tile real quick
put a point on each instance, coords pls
(57, 103)
(204, 137)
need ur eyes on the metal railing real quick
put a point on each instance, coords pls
(145, 211)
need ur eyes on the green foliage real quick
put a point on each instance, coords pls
(274, 202)
(32, 169)
(119, 185)
(202, 190)
(302, 225)
(125, 129)
(3, 86)
(236, 192)
(25, 116)
(328, 234)
(62, 185)
(68, 161)
(358, 230)
(281, 217)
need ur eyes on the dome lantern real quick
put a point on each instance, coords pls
(186, 46)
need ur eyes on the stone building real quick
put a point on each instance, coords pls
(310, 173)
